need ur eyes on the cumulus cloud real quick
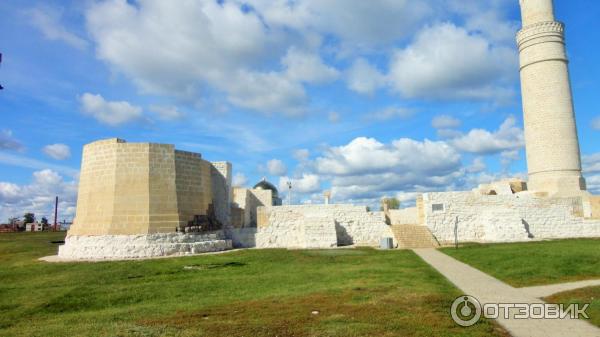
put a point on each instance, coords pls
(301, 155)
(112, 113)
(447, 62)
(591, 163)
(276, 167)
(366, 168)
(391, 112)
(48, 21)
(261, 55)
(305, 184)
(308, 67)
(38, 196)
(57, 151)
(218, 44)
(8, 142)
(507, 138)
(364, 78)
(445, 122)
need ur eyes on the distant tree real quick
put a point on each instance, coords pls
(44, 221)
(393, 203)
(12, 220)
(28, 218)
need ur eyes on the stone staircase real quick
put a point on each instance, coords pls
(414, 236)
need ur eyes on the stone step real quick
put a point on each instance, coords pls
(413, 236)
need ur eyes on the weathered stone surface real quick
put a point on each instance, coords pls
(506, 218)
(314, 226)
(94, 247)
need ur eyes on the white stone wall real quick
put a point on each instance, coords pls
(305, 226)
(404, 216)
(249, 200)
(505, 218)
(242, 237)
(114, 247)
(221, 191)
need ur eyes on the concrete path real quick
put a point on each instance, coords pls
(490, 290)
(543, 291)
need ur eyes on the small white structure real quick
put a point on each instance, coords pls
(34, 227)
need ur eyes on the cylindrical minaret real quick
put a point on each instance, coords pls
(553, 158)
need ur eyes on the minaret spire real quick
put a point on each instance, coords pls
(553, 157)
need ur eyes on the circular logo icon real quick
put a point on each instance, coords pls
(465, 310)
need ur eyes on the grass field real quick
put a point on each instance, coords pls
(589, 295)
(353, 292)
(534, 263)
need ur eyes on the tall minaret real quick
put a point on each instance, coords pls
(553, 158)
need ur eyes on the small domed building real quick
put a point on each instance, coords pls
(247, 200)
(265, 185)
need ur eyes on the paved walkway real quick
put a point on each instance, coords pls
(543, 291)
(490, 290)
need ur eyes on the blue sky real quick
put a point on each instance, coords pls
(368, 99)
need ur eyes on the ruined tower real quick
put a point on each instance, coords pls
(553, 157)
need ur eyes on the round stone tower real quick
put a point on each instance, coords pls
(553, 158)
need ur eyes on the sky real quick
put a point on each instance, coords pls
(368, 99)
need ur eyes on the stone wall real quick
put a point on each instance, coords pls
(249, 200)
(404, 216)
(505, 218)
(139, 188)
(114, 247)
(221, 191)
(313, 226)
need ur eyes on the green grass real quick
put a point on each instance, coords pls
(590, 295)
(357, 292)
(534, 263)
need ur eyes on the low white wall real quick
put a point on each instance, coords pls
(95, 247)
(404, 216)
(505, 218)
(289, 226)
(242, 237)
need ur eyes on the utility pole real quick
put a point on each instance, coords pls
(289, 185)
(55, 212)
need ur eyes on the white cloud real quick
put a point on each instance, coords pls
(204, 42)
(113, 113)
(364, 78)
(240, 180)
(445, 122)
(306, 184)
(8, 142)
(508, 137)
(477, 166)
(368, 156)
(308, 67)
(276, 167)
(38, 196)
(591, 163)
(391, 112)
(301, 155)
(48, 21)
(447, 62)
(166, 112)
(26, 162)
(57, 151)
(596, 123)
